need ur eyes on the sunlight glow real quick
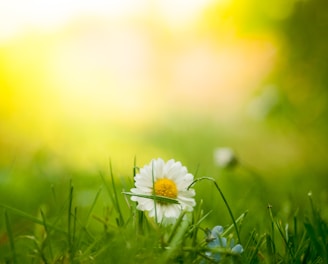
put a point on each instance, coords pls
(181, 13)
(72, 66)
(19, 16)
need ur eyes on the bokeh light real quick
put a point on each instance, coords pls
(86, 79)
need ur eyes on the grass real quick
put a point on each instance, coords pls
(103, 225)
(50, 213)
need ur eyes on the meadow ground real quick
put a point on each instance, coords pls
(56, 213)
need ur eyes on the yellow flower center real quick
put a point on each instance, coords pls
(166, 187)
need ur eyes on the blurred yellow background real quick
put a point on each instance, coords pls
(84, 79)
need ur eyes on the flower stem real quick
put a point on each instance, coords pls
(223, 198)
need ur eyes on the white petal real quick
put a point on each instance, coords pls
(172, 211)
(158, 168)
(187, 203)
(159, 210)
(144, 189)
(144, 204)
(176, 173)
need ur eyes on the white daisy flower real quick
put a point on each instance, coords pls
(164, 180)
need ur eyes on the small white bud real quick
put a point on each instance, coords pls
(225, 157)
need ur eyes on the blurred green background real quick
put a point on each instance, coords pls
(84, 83)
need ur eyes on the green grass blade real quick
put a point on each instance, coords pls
(71, 224)
(117, 205)
(110, 194)
(285, 239)
(253, 256)
(175, 228)
(238, 221)
(47, 233)
(159, 198)
(113, 195)
(271, 239)
(135, 167)
(30, 217)
(69, 217)
(92, 207)
(11, 238)
(223, 198)
(176, 238)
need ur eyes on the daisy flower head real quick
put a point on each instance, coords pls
(162, 190)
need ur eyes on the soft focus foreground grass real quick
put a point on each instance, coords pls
(55, 213)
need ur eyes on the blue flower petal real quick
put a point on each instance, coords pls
(237, 249)
(217, 230)
(215, 240)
